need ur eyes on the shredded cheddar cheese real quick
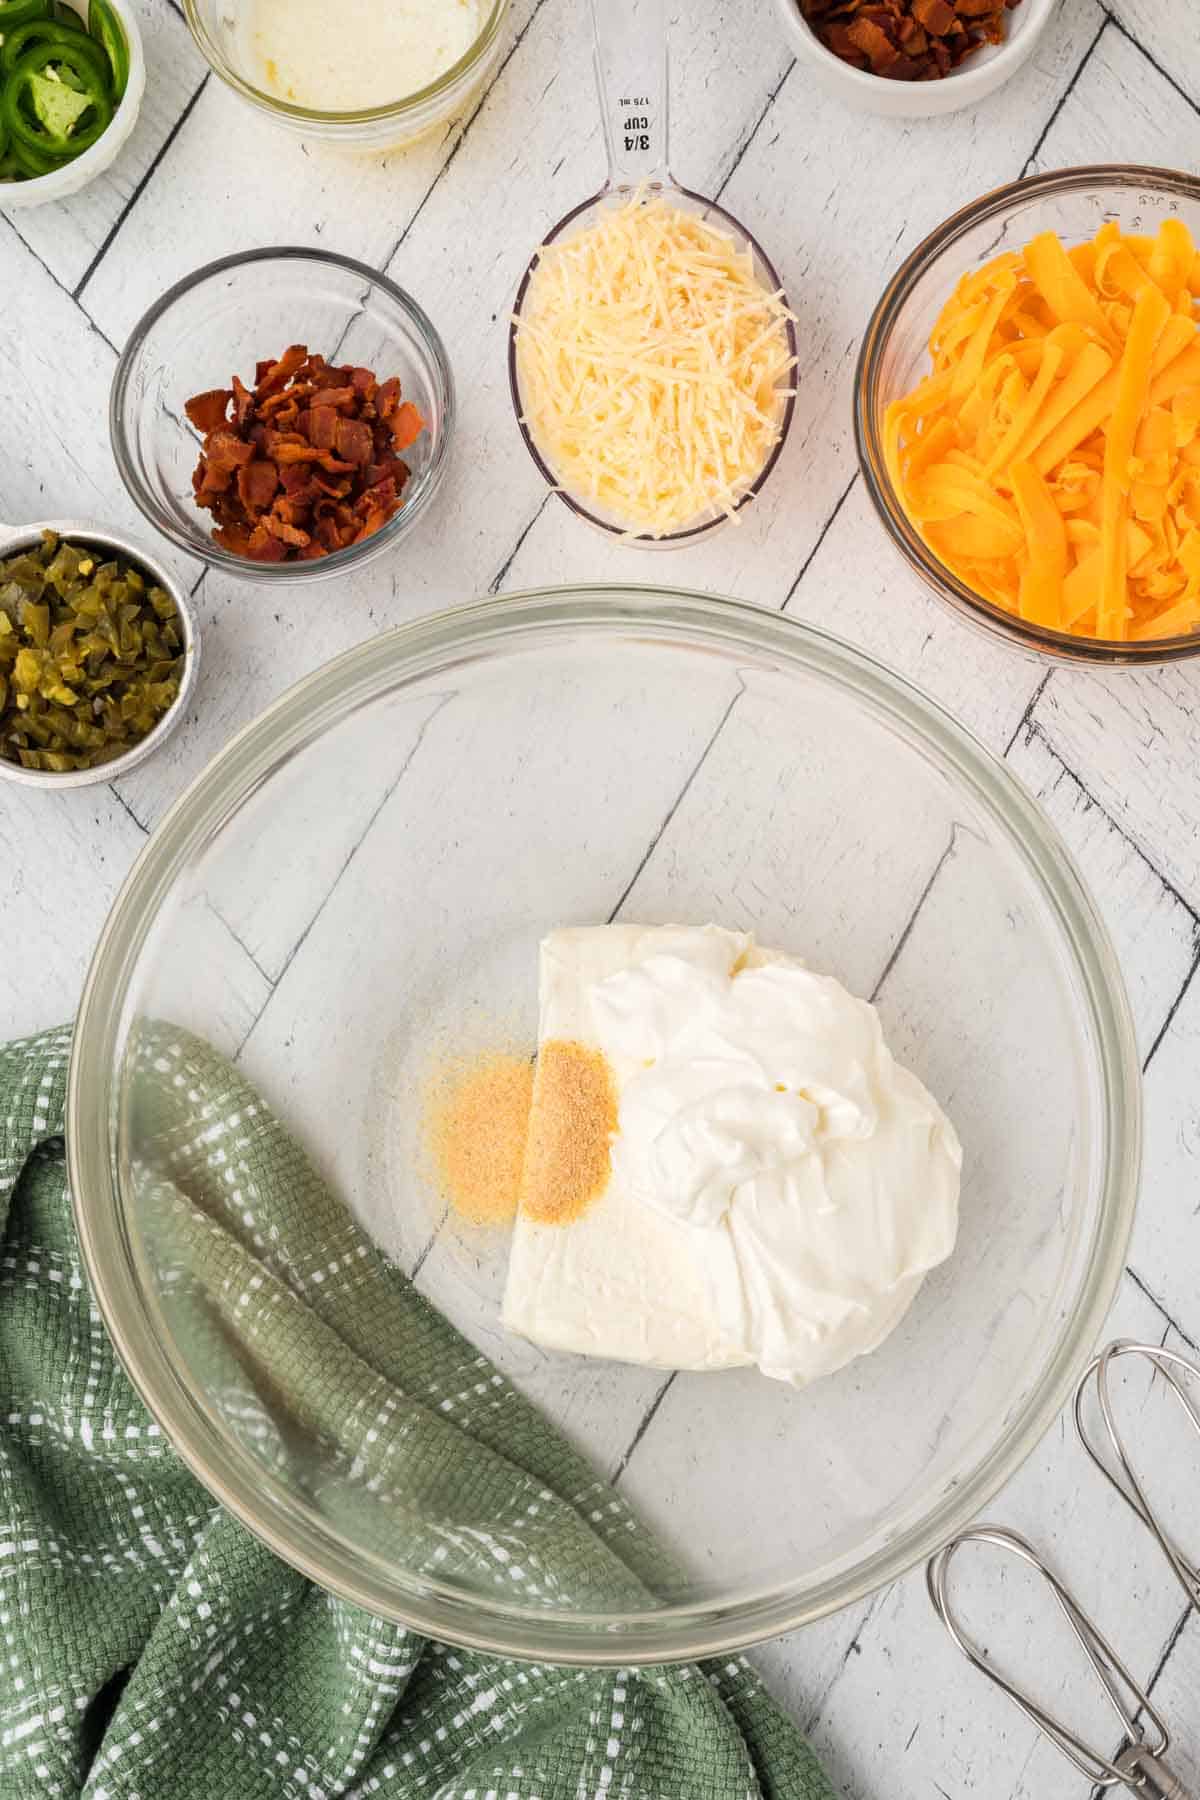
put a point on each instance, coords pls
(651, 362)
(1051, 459)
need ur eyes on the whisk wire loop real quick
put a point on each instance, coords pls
(1177, 1371)
(1140, 1764)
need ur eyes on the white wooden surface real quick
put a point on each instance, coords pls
(838, 199)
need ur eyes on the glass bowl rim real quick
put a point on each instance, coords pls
(461, 637)
(201, 546)
(690, 533)
(993, 205)
(397, 110)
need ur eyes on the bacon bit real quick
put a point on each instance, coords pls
(288, 534)
(381, 498)
(371, 525)
(261, 546)
(299, 484)
(226, 452)
(313, 449)
(292, 450)
(353, 441)
(407, 425)
(256, 485)
(207, 411)
(906, 40)
(321, 426)
(387, 466)
(234, 538)
(331, 489)
(338, 396)
(286, 400)
(280, 373)
(327, 532)
(243, 402)
(294, 512)
(937, 16)
(211, 480)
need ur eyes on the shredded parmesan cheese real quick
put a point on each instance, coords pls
(651, 364)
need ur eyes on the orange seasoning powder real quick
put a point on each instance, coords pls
(478, 1121)
(502, 1136)
(574, 1118)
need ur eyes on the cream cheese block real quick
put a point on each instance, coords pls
(779, 1185)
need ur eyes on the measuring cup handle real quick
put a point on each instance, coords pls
(631, 79)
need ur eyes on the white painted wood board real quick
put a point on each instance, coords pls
(1114, 759)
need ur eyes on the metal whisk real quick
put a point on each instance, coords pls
(1141, 1764)
(1175, 1370)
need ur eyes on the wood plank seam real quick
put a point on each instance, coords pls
(122, 802)
(678, 801)
(1175, 1005)
(750, 136)
(1172, 1323)
(6, 219)
(1026, 718)
(140, 189)
(1098, 1793)
(821, 536)
(1068, 90)
(1151, 58)
(1034, 728)
(854, 1647)
(332, 888)
(462, 136)
(497, 580)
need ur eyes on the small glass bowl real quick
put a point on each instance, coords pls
(690, 534)
(225, 318)
(894, 356)
(218, 28)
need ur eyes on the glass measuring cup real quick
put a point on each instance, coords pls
(630, 58)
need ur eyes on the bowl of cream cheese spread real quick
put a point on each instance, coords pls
(704, 1026)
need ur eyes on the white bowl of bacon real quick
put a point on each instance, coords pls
(933, 56)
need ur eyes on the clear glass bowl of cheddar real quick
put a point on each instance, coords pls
(351, 899)
(1027, 410)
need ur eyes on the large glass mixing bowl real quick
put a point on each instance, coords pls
(358, 884)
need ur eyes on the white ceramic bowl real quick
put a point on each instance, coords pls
(981, 75)
(61, 183)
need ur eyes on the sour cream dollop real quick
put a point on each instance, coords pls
(761, 1108)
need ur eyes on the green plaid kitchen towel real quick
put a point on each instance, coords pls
(151, 1649)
